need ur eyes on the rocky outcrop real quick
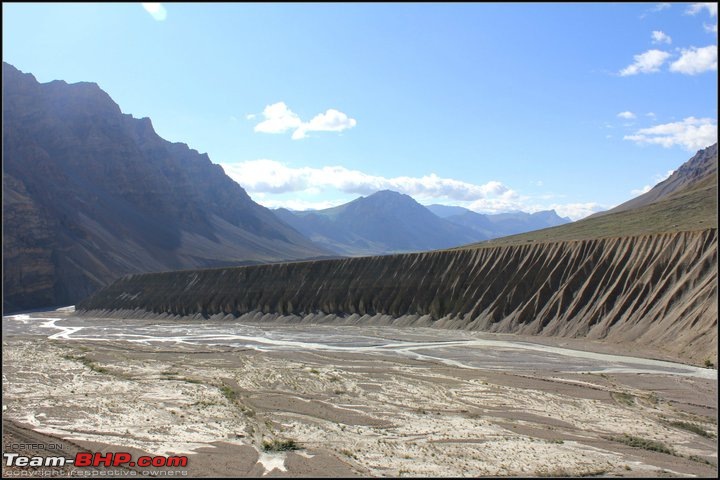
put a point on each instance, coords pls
(96, 194)
(658, 290)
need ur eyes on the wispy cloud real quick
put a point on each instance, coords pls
(648, 62)
(275, 177)
(626, 115)
(691, 134)
(156, 10)
(278, 118)
(711, 8)
(696, 8)
(694, 60)
(661, 37)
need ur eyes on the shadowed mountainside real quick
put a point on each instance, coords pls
(658, 290)
(91, 194)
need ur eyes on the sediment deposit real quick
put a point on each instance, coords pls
(653, 290)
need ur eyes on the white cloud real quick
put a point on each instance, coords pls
(272, 176)
(710, 28)
(694, 60)
(280, 119)
(250, 116)
(661, 37)
(626, 115)
(696, 8)
(330, 121)
(156, 10)
(691, 133)
(648, 62)
(651, 114)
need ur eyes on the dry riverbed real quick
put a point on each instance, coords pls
(235, 409)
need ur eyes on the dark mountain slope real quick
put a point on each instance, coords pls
(92, 194)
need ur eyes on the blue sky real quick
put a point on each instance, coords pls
(495, 107)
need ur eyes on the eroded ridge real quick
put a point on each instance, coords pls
(657, 290)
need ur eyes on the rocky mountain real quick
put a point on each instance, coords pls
(384, 222)
(498, 225)
(91, 194)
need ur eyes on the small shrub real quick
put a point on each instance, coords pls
(709, 363)
(348, 453)
(279, 445)
(624, 398)
(228, 393)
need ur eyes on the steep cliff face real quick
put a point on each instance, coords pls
(103, 195)
(658, 290)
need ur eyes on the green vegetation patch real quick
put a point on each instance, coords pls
(624, 398)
